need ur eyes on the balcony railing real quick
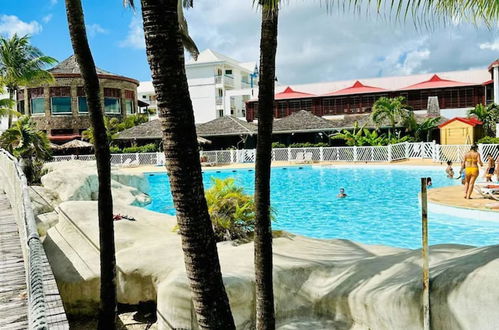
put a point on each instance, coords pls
(219, 100)
(228, 80)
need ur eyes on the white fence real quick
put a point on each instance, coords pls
(422, 150)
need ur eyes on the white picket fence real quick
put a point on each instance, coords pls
(423, 150)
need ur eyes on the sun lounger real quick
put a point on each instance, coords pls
(299, 157)
(308, 157)
(488, 191)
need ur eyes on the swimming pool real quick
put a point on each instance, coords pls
(382, 206)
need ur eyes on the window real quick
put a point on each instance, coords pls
(220, 113)
(38, 105)
(229, 72)
(82, 104)
(129, 106)
(20, 106)
(112, 105)
(60, 105)
(144, 97)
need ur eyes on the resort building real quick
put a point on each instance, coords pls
(454, 93)
(60, 108)
(219, 86)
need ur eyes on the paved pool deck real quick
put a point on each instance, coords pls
(454, 197)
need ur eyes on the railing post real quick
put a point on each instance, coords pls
(407, 150)
(321, 154)
(137, 157)
(232, 156)
(72, 157)
(354, 153)
(289, 154)
(389, 153)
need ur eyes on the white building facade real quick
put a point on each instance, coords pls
(219, 86)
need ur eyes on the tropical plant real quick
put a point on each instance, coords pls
(421, 131)
(489, 140)
(232, 211)
(488, 115)
(83, 54)
(131, 121)
(111, 125)
(351, 137)
(29, 145)
(6, 108)
(22, 64)
(165, 36)
(388, 109)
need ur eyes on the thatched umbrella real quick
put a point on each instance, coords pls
(76, 147)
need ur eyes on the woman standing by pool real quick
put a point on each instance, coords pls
(471, 161)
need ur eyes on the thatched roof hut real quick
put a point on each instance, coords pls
(226, 126)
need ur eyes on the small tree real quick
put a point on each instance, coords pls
(488, 115)
(391, 109)
(29, 145)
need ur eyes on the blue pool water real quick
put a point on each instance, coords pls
(382, 206)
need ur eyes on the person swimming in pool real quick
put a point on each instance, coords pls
(449, 170)
(470, 162)
(341, 194)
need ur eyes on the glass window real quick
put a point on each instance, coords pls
(129, 106)
(61, 105)
(112, 105)
(82, 104)
(229, 72)
(38, 105)
(20, 106)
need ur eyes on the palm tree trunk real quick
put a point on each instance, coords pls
(11, 98)
(107, 310)
(165, 54)
(265, 318)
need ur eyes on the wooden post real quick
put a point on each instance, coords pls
(426, 264)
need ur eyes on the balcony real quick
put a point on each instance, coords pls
(219, 100)
(228, 80)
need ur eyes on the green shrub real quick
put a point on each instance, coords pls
(276, 145)
(232, 211)
(115, 150)
(151, 147)
(300, 145)
(489, 140)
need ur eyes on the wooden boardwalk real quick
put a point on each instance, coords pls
(13, 294)
(13, 291)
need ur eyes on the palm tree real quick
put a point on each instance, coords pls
(22, 64)
(264, 292)
(421, 131)
(391, 109)
(488, 115)
(76, 22)
(28, 144)
(165, 53)
(6, 106)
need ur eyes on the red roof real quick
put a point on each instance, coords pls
(289, 93)
(357, 88)
(436, 82)
(493, 64)
(64, 137)
(488, 82)
(470, 121)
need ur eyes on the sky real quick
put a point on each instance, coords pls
(314, 44)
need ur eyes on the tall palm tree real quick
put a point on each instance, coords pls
(265, 316)
(6, 108)
(391, 109)
(22, 64)
(488, 115)
(77, 31)
(27, 144)
(165, 53)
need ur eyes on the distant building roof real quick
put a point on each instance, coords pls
(436, 82)
(209, 56)
(148, 131)
(226, 126)
(357, 88)
(302, 121)
(69, 67)
(470, 121)
(289, 93)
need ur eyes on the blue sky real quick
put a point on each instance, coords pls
(313, 45)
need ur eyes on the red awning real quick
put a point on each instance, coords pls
(289, 93)
(470, 121)
(436, 82)
(357, 88)
(64, 137)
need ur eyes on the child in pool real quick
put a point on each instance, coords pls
(449, 170)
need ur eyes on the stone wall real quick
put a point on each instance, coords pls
(76, 122)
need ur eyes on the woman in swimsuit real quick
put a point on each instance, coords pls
(471, 161)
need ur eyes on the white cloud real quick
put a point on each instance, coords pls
(47, 18)
(135, 38)
(53, 2)
(94, 29)
(315, 46)
(10, 24)
(490, 45)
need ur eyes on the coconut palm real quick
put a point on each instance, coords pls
(488, 115)
(6, 106)
(421, 131)
(165, 53)
(388, 109)
(77, 31)
(265, 316)
(22, 64)
(28, 144)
